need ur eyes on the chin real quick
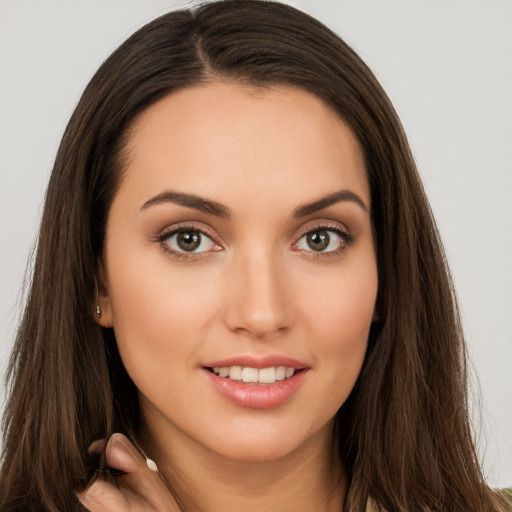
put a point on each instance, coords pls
(266, 443)
(258, 451)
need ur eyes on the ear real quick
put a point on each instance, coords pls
(103, 304)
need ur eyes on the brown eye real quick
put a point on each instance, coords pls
(318, 240)
(324, 240)
(189, 241)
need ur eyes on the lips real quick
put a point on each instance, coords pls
(257, 383)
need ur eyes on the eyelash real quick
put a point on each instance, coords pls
(164, 236)
(182, 228)
(347, 240)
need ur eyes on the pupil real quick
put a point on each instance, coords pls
(189, 240)
(319, 240)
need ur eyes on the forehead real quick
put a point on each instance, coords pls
(224, 139)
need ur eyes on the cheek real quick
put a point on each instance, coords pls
(341, 306)
(158, 313)
(340, 313)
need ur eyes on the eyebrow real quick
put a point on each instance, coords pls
(219, 210)
(326, 201)
(190, 201)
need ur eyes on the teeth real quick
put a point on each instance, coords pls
(248, 374)
(280, 373)
(267, 375)
(235, 372)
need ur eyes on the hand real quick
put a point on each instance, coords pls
(141, 489)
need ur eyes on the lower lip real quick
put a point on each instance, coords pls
(257, 396)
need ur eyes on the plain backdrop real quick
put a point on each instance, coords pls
(447, 66)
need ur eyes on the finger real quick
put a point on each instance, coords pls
(97, 447)
(141, 477)
(102, 496)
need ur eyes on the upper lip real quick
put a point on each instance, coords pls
(259, 362)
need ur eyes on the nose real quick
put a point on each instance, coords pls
(258, 304)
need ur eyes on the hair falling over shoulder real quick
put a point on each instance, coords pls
(404, 435)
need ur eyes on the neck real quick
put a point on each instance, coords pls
(308, 479)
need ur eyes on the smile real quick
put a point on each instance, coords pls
(254, 375)
(257, 383)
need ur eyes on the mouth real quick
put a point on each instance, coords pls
(257, 382)
(252, 375)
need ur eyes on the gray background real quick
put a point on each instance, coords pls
(447, 66)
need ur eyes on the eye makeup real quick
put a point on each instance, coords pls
(314, 240)
(191, 241)
(187, 240)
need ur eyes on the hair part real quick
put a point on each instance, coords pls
(403, 434)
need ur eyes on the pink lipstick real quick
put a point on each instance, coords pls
(256, 382)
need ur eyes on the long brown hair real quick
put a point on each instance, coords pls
(403, 435)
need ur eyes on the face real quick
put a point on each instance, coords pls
(239, 268)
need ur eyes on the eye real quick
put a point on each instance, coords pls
(323, 240)
(189, 241)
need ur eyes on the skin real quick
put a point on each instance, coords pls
(255, 287)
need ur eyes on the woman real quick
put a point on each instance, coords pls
(238, 269)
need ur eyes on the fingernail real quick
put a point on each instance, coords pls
(119, 446)
(117, 442)
(151, 464)
(97, 447)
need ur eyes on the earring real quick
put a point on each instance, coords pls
(98, 311)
